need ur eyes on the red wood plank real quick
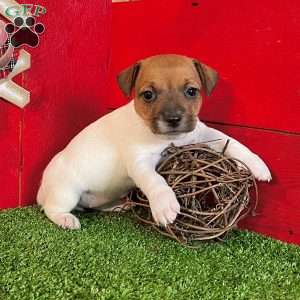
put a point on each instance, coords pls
(279, 207)
(68, 82)
(10, 118)
(255, 46)
(10, 150)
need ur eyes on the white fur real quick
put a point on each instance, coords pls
(114, 154)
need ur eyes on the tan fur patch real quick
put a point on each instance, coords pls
(168, 76)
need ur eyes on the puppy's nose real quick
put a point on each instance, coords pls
(173, 120)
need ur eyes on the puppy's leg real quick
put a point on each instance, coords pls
(163, 203)
(58, 204)
(236, 150)
(93, 200)
(100, 202)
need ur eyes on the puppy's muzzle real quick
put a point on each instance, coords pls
(172, 119)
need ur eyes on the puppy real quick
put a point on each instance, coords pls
(121, 150)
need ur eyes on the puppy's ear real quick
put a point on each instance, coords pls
(126, 79)
(208, 76)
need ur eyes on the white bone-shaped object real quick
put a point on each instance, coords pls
(9, 90)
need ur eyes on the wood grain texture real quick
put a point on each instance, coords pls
(68, 82)
(10, 150)
(255, 48)
(278, 207)
(254, 45)
(10, 118)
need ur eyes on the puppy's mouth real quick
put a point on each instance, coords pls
(173, 127)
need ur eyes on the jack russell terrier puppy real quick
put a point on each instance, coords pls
(121, 150)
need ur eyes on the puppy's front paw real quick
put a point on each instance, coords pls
(259, 168)
(164, 207)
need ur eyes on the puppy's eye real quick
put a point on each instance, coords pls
(191, 92)
(149, 96)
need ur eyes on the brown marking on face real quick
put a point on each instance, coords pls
(167, 91)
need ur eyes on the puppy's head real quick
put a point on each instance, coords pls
(167, 91)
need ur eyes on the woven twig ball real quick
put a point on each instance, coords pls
(212, 190)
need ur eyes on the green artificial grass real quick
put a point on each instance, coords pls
(113, 257)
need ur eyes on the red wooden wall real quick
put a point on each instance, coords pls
(10, 122)
(68, 84)
(255, 46)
